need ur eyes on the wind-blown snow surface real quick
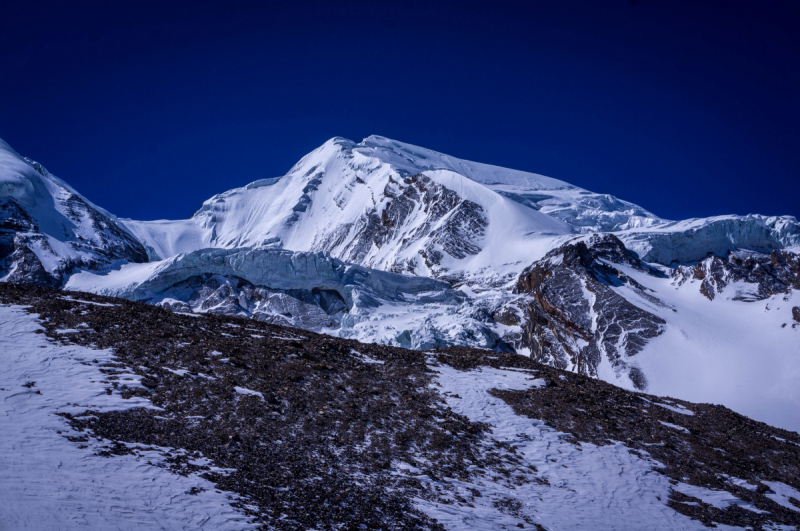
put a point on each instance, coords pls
(47, 482)
(725, 351)
(589, 487)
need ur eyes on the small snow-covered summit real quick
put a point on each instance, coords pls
(47, 229)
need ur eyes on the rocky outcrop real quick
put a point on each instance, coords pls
(578, 309)
(13, 219)
(417, 209)
(759, 275)
(26, 268)
(574, 319)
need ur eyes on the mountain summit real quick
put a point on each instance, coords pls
(388, 205)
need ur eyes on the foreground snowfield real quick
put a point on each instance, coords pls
(47, 482)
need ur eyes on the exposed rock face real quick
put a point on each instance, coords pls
(26, 268)
(764, 274)
(416, 209)
(574, 319)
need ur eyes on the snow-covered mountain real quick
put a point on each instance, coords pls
(380, 204)
(391, 243)
(48, 230)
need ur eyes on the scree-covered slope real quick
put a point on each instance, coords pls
(219, 422)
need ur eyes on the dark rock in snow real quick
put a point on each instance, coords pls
(575, 318)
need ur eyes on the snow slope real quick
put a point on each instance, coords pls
(745, 355)
(48, 482)
(586, 487)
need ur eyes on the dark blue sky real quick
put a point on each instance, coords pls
(688, 108)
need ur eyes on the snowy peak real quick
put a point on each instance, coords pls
(393, 206)
(376, 203)
(47, 229)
